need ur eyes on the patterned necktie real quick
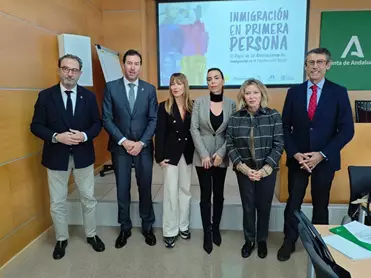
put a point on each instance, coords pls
(312, 102)
(131, 96)
(69, 108)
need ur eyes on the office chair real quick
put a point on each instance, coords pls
(360, 185)
(106, 168)
(363, 111)
(320, 256)
(109, 167)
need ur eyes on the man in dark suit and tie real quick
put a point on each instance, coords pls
(67, 118)
(317, 124)
(129, 116)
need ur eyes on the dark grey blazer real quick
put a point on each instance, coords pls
(208, 141)
(140, 125)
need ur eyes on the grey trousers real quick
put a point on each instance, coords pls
(58, 190)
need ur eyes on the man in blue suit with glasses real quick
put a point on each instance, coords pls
(317, 124)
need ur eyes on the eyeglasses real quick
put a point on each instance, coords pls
(68, 70)
(320, 63)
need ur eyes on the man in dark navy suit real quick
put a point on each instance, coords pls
(317, 123)
(129, 116)
(67, 118)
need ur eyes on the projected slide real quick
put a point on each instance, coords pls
(262, 39)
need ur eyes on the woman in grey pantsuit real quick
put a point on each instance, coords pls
(208, 125)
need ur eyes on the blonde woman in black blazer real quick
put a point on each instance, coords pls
(208, 127)
(174, 152)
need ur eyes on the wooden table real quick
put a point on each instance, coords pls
(358, 269)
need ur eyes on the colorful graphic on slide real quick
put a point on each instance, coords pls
(261, 39)
(183, 44)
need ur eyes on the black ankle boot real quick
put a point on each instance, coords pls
(206, 223)
(217, 238)
(217, 216)
(208, 241)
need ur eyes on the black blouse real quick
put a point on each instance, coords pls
(216, 121)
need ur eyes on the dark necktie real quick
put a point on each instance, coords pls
(69, 108)
(312, 102)
(131, 96)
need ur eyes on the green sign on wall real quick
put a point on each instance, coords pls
(347, 34)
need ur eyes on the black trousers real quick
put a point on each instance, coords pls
(211, 181)
(321, 180)
(256, 198)
(122, 163)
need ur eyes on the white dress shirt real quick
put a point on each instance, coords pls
(127, 87)
(73, 99)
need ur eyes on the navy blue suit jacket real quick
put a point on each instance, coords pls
(331, 128)
(119, 121)
(50, 117)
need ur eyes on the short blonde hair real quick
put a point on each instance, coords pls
(241, 103)
(188, 104)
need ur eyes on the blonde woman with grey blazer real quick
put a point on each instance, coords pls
(208, 127)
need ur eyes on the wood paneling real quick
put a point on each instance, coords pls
(96, 3)
(150, 23)
(357, 152)
(16, 115)
(29, 188)
(21, 237)
(28, 55)
(122, 30)
(100, 145)
(6, 216)
(121, 4)
(152, 69)
(144, 32)
(24, 205)
(93, 25)
(152, 42)
(68, 16)
(314, 30)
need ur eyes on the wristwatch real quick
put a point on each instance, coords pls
(54, 138)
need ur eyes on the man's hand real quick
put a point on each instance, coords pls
(128, 145)
(67, 138)
(206, 162)
(137, 148)
(77, 135)
(217, 160)
(164, 163)
(313, 159)
(301, 158)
